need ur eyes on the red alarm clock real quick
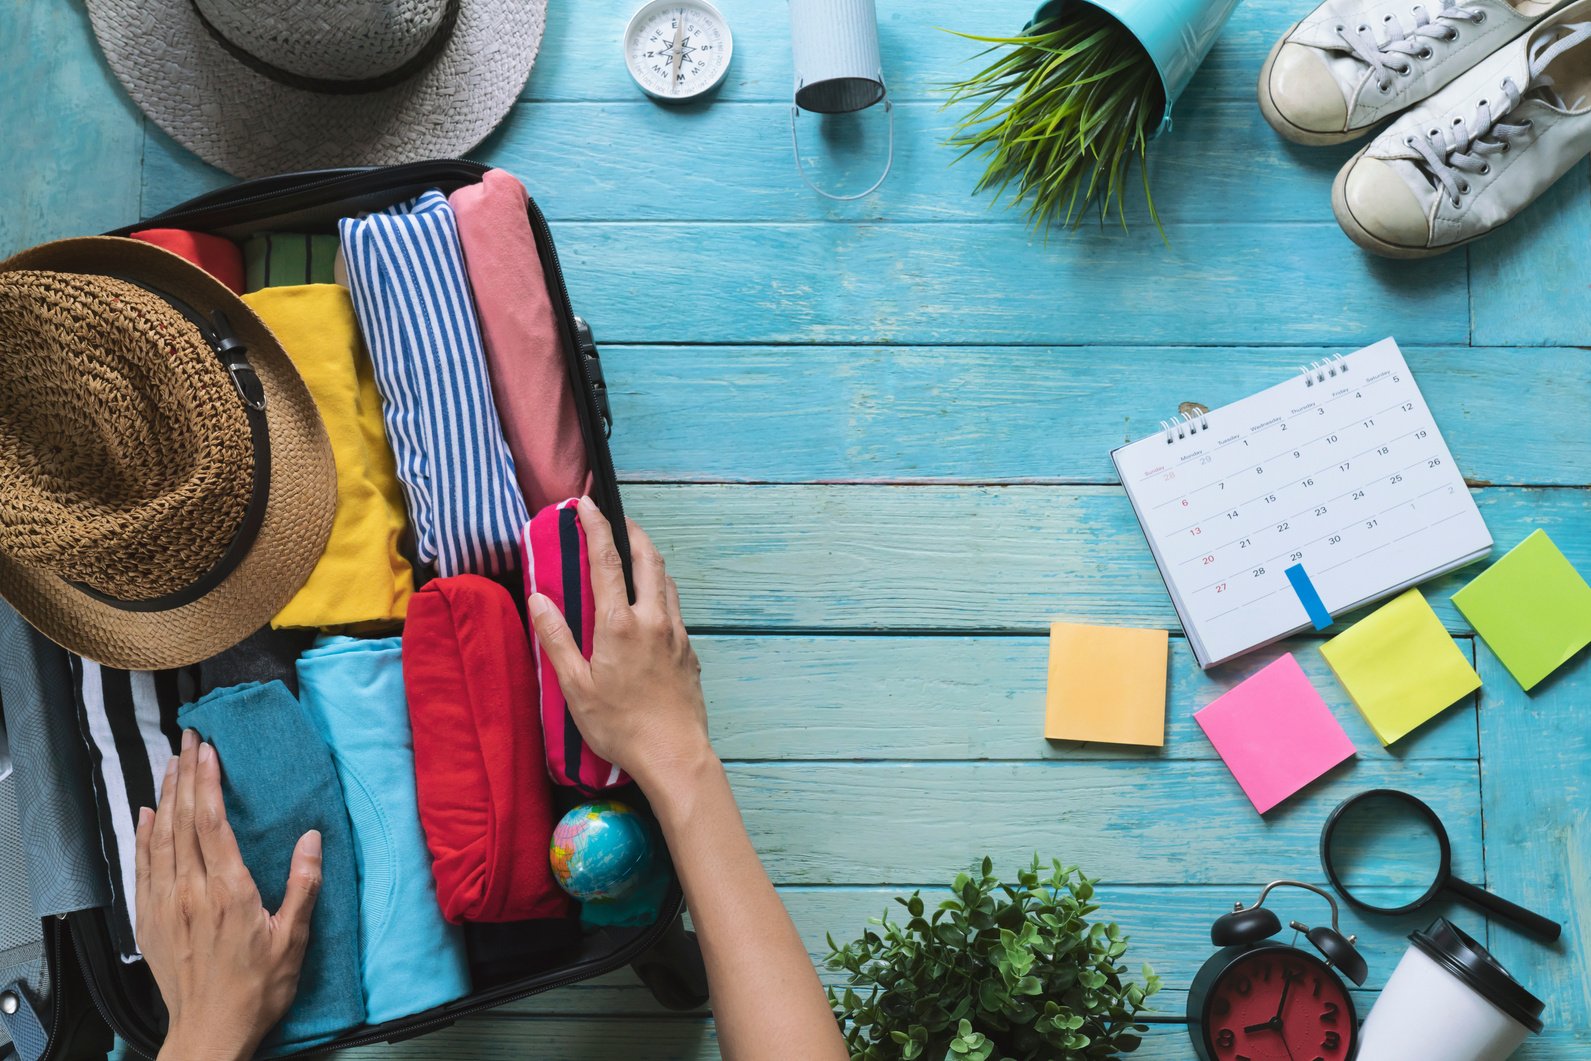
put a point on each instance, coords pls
(1259, 1000)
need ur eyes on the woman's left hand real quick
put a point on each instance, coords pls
(227, 967)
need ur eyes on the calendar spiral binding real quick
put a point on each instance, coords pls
(1320, 371)
(1189, 422)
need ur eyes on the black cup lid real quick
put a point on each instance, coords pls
(1450, 947)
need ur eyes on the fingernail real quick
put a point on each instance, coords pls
(312, 842)
(586, 502)
(206, 753)
(539, 604)
(144, 814)
(171, 766)
(189, 738)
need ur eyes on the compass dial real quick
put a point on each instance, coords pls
(678, 50)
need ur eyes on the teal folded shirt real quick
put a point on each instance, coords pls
(413, 959)
(278, 782)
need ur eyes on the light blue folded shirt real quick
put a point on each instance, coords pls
(413, 959)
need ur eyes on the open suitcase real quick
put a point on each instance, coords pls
(82, 966)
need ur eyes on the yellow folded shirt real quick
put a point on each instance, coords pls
(362, 578)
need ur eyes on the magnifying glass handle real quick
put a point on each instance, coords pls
(1527, 921)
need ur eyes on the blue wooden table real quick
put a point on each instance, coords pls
(872, 440)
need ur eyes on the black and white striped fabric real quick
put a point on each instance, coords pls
(130, 721)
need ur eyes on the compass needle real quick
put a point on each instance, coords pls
(677, 50)
(679, 35)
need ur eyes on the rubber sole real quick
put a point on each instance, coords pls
(1286, 129)
(1368, 240)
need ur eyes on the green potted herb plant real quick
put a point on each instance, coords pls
(1070, 104)
(997, 971)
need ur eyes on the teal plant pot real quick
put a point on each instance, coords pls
(1177, 34)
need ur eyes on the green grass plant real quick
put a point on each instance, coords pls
(1061, 116)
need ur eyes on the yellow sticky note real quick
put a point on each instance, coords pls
(1400, 666)
(1107, 684)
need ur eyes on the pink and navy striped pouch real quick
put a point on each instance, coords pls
(557, 567)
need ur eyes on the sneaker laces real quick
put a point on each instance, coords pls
(1397, 53)
(1445, 155)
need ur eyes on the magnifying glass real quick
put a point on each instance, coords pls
(1388, 853)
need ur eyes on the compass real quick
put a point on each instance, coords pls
(677, 50)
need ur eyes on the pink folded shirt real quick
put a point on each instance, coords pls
(524, 354)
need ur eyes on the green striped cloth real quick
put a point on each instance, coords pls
(283, 259)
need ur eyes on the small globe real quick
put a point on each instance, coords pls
(600, 850)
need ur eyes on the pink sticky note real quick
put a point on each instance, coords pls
(1275, 733)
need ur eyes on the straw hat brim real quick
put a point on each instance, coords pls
(252, 126)
(298, 511)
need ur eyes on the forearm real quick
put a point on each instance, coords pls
(767, 1000)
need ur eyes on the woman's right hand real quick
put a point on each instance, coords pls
(638, 700)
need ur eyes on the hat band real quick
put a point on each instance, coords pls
(233, 354)
(433, 47)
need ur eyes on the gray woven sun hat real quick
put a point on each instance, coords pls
(270, 86)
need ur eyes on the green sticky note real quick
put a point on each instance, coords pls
(1532, 608)
(1400, 666)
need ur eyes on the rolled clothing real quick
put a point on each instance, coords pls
(558, 566)
(55, 794)
(216, 255)
(412, 297)
(362, 579)
(412, 959)
(485, 802)
(278, 782)
(524, 347)
(288, 259)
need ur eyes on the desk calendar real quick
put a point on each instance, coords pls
(1306, 500)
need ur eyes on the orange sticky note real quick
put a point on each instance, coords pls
(1107, 684)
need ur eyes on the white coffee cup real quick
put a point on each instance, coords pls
(1448, 1000)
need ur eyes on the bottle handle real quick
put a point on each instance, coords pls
(795, 145)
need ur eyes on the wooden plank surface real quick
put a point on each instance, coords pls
(893, 697)
(964, 558)
(1538, 829)
(873, 439)
(73, 142)
(852, 413)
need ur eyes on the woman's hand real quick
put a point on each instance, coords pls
(227, 967)
(638, 701)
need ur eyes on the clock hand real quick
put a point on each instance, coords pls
(1271, 1025)
(679, 35)
(1281, 1007)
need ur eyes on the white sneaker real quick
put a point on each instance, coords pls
(1478, 152)
(1352, 63)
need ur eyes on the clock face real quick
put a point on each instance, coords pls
(1279, 1004)
(679, 50)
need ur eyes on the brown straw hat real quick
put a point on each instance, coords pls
(166, 484)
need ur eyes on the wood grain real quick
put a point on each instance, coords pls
(855, 823)
(974, 698)
(1010, 558)
(71, 138)
(1538, 827)
(1034, 414)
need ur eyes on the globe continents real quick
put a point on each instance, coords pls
(600, 850)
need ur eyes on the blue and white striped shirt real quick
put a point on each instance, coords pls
(412, 297)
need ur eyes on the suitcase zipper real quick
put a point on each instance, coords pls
(52, 962)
